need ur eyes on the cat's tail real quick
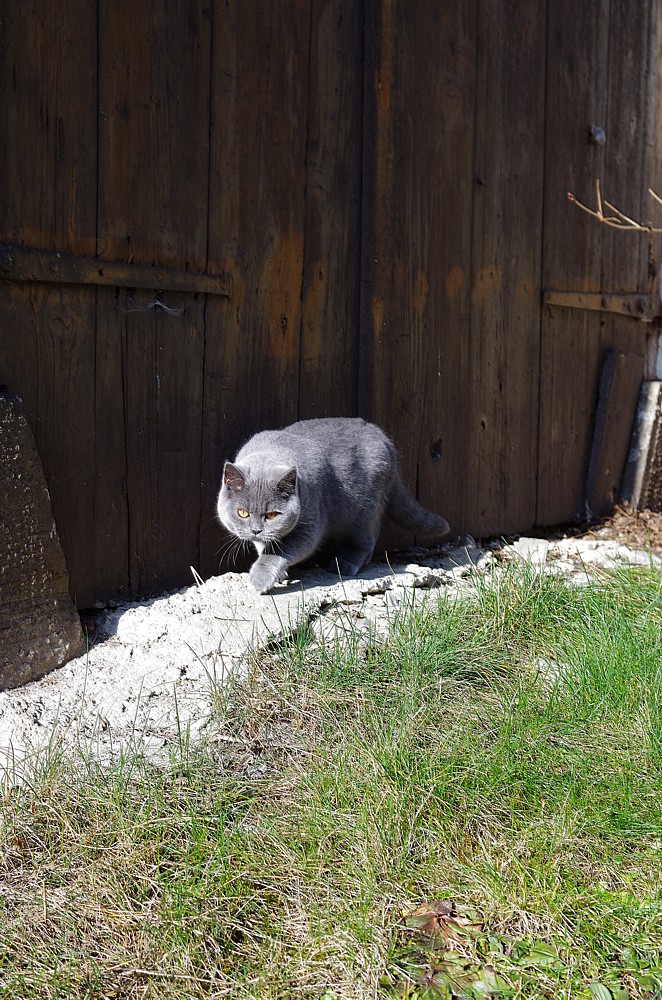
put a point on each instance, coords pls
(408, 512)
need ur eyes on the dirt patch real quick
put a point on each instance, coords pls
(638, 529)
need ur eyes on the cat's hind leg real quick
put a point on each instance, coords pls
(352, 556)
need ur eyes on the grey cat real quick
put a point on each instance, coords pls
(292, 491)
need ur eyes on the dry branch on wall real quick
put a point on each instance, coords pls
(618, 220)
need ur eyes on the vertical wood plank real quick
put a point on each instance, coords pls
(180, 351)
(141, 399)
(629, 149)
(154, 66)
(154, 70)
(379, 225)
(416, 256)
(48, 120)
(629, 259)
(577, 78)
(256, 233)
(330, 314)
(162, 373)
(48, 191)
(629, 172)
(111, 511)
(451, 306)
(503, 384)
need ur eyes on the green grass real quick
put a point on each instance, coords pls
(503, 751)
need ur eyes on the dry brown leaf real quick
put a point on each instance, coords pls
(442, 917)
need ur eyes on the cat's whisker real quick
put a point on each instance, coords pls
(232, 548)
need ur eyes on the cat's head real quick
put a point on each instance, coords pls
(259, 506)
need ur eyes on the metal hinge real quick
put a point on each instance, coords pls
(645, 308)
(19, 263)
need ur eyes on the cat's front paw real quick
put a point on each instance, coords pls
(267, 572)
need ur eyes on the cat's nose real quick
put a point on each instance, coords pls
(256, 531)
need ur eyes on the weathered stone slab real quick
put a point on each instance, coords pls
(39, 627)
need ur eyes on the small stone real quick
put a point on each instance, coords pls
(532, 550)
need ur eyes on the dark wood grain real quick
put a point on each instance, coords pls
(588, 85)
(577, 74)
(503, 380)
(451, 305)
(630, 146)
(330, 314)
(154, 77)
(48, 125)
(420, 69)
(257, 224)
(111, 502)
(48, 191)
(162, 393)
(154, 71)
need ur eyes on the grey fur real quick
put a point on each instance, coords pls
(326, 481)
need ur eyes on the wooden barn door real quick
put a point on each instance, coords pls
(216, 221)
(602, 123)
(510, 414)
(180, 229)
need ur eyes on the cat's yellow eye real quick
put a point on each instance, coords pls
(271, 515)
(242, 512)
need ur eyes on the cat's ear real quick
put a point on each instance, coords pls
(287, 484)
(233, 477)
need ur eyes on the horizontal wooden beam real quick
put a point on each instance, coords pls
(645, 308)
(19, 263)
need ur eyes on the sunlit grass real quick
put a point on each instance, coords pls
(503, 750)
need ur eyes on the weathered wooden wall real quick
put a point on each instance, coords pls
(453, 262)
(602, 69)
(382, 185)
